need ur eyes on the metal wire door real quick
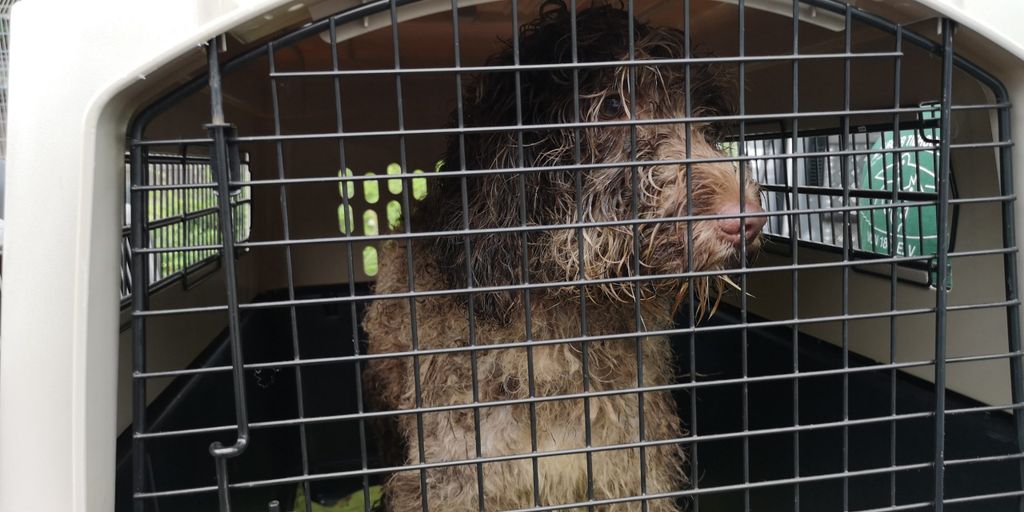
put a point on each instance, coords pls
(814, 200)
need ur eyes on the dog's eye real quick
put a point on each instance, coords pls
(611, 106)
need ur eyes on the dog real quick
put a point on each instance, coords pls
(543, 249)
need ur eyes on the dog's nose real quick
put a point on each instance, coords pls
(750, 226)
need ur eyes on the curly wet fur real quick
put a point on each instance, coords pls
(604, 252)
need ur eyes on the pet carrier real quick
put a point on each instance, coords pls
(339, 255)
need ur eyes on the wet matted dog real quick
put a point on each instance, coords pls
(578, 265)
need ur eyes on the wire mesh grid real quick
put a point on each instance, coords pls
(180, 216)
(442, 409)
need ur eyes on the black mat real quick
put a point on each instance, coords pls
(325, 331)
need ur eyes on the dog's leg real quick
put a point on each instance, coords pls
(453, 488)
(617, 472)
(615, 421)
(664, 461)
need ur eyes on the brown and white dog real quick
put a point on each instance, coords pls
(523, 374)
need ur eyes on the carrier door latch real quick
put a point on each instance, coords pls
(225, 165)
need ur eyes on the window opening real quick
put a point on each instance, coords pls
(872, 176)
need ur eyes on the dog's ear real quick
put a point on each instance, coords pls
(493, 258)
(490, 201)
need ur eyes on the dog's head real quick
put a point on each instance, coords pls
(610, 183)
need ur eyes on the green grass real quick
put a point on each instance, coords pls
(198, 231)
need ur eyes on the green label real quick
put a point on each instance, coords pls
(912, 229)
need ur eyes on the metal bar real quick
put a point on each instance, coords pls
(180, 157)
(181, 219)
(597, 166)
(690, 299)
(854, 193)
(779, 116)
(348, 230)
(710, 490)
(603, 502)
(619, 392)
(847, 249)
(467, 246)
(742, 147)
(548, 227)
(820, 198)
(634, 206)
(629, 62)
(140, 302)
(409, 265)
(459, 291)
(577, 451)
(290, 276)
(967, 499)
(524, 247)
(760, 118)
(584, 339)
(219, 163)
(897, 186)
(588, 434)
(223, 490)
(794, 248)
(942, 184)
(186, 201)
